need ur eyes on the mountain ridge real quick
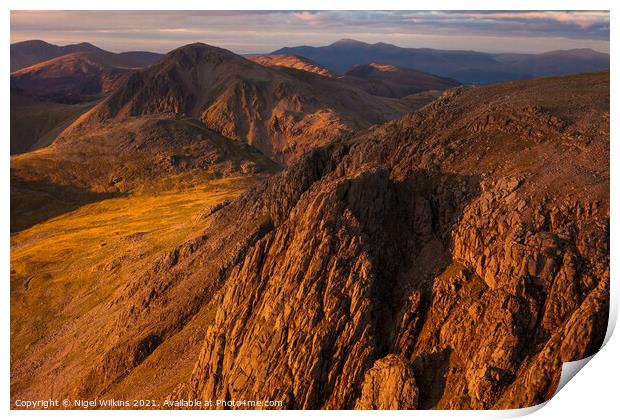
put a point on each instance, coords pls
(292, 61)
(466, 66)
(27, 53)
(396, 82)
(78, 76)
(345, 201)
(283, 112)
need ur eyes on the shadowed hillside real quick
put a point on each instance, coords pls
(35, 122)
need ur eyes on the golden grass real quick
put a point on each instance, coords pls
(65, 266)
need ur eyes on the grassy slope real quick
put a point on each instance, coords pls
(66, 266)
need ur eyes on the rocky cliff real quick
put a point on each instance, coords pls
(450, 259)
(470, 241)
(458, 239)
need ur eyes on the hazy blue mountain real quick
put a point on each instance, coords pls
(464, 66)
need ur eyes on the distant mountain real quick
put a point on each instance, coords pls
(281, 111)
(376, 79)
(138, 58)
(77, 77)
(395, 82)
(464, 66)
(46, 97)
(27, 53)
(557, 62)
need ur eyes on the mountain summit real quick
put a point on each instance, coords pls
(283, 112)
(348, 42)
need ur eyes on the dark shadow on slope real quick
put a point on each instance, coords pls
(404, 221)
(407, 225)
(34, 202)
(430, 373)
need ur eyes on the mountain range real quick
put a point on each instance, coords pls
(201, 112)
(376, 79)
(51, 76)
(26, 53)
(470, 67)
(51, 86)
(334, 231)
(283, 112)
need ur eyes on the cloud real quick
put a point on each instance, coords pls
(582, 19)
(262, 31)
(311, 18)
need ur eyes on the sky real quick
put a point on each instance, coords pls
(265, 31)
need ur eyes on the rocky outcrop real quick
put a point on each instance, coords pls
(475, 279)
(389, 385)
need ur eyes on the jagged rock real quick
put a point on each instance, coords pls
(389, 385)
(520, 272)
